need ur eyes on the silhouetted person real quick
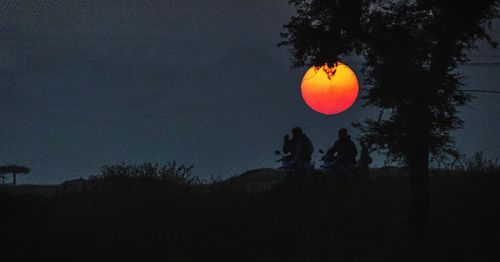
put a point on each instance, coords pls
(300, 148)
(344, 151)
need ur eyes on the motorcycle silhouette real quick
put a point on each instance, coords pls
(332, 165)
(287, 161)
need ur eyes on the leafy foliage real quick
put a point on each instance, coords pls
(322, 31)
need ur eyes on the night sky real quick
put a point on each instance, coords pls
(89, 83)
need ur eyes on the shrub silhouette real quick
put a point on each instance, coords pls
(170, 173)
(126, 177)
(477, 164)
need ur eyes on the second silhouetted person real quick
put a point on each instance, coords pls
(344, 150)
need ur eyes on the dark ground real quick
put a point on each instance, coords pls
(318, 219)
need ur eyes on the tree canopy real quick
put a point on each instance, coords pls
(7, 169)
(411, 51)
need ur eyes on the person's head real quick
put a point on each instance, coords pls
(296, 131)
(343, 133)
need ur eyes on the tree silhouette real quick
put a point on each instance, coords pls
(411, 51)
(14, 170)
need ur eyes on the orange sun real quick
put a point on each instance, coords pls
(329, 90)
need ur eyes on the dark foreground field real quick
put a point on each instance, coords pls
(317, 219)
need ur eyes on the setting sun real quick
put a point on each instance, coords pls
(329, 90)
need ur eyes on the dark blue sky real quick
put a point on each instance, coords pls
(89, 83)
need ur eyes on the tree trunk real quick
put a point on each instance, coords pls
(418, 161)
(418, 215)
(14, 175)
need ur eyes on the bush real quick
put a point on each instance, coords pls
(123, 177)
(477, 163)
(170, 173)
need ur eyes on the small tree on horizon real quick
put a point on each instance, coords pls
(14, 170)
(411, 51)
